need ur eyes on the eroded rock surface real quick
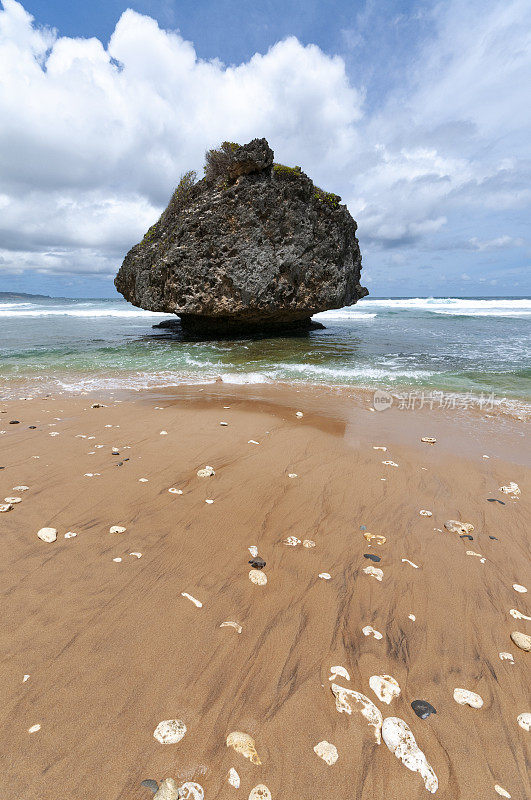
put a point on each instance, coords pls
(256, 245)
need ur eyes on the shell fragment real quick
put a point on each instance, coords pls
(47, 534)
(375, 572)
(244, 744)
(368, 630)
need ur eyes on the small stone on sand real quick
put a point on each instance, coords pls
(149, 783)
(325, 576)
(173, 490)
(20, 488)
(257, 577)
(422, 708)
(521, 640)
(428, 439)
(326, 751)
(143, 480)
(412, 617)
(292, 475)
(257, 562)
(136, 554)
(372, 557)
(253, 441)
(170, 731)
(424, 513)
(13, 500)
(164, 433)
(117, 529)
(518, 588)
(223, 424)
(47, 534)
(244, 744)
(118, 560)
(380, 448)
(501, 791)
(4, 507)
(299, 414)
(466, 698)
(308, 544)
(25, 678)
(253, 549)
(209, 501)
(70, 534)
(34, 728)
(390, 463)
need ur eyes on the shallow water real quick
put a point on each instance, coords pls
(474, 345)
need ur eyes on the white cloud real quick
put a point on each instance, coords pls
(94, 138)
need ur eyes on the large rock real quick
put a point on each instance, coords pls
(253, 244)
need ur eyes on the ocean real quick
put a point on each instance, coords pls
(473, 346)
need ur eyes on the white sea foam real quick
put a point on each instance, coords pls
(453, 306)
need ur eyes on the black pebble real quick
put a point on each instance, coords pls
(494, 537)
(422, 708)
(495, 500)
(149, 783)
(466, 536)
(257, 563)
(32, 427)
(372, 557)
(120, 464)
(14, 422)
(2, 467)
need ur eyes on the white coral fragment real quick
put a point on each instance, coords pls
(341, 671)
(260, 792)
(375, 572)
(206, 472)
(400, 740)
(511, 488)
(326, 751)
(170, 731)
(194, 600)
(344, 698)
(368, 630)
(234, 778)
(258, 577)
(524, 720)
(466, 698)
(191, 791)
(292, 541)
(384, 687)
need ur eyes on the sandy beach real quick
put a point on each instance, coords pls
(99, 644)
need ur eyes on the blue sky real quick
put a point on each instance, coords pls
(416, 113)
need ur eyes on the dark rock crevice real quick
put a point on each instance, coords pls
(251, 245)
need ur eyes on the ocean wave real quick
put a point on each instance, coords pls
(78, 312)
(456, 306)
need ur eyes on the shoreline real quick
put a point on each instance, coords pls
(112, 648)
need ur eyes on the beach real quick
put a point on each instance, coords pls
(105, 635)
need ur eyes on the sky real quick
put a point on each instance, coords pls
(416, 113)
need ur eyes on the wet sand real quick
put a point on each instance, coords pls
(112, 648)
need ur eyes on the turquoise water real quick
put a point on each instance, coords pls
(476, 345)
